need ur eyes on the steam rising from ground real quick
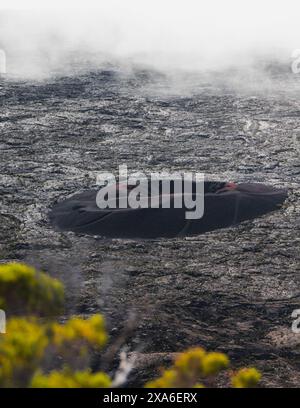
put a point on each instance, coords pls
(168, 35)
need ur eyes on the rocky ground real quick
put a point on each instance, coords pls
(232, 290)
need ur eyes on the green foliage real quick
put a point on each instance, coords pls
(28, 343)
(36, 352)
(69, 379)
(246, 378)
(77, 330)
(21, 350)
(189, 367)
(196, 365)
(25, 291)
(31, 342)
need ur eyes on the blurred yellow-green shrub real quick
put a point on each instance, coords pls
(69, 379)
(33, 345)
(77, 330)
(246, 378)
(29, 344)
(196, 365)
(21, 350)
(37, 351)
(25, 291)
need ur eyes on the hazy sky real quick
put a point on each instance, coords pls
(165, 33)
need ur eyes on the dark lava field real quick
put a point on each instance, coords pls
(231, 290)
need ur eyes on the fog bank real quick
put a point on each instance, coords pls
(168, 35)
